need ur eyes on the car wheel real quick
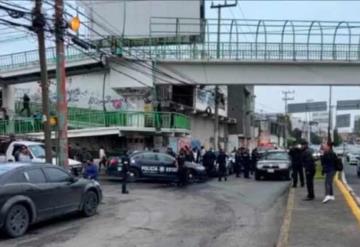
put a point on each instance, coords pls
(17, 221)
(91, 203)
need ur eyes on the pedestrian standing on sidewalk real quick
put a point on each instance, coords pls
(297, 167)
(125, 161)
(221, 160)
(237, 165)
(328, 162)
(102, 158)
(309, 165)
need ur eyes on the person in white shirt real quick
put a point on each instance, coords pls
(102, 157)
(24, 155)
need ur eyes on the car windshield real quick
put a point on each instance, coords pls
(37, 150)
(276, 156)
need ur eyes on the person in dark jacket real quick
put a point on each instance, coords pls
(309, 166)
(245, 162)
(26, 105)
(221, 160)
(254, 160)
(189, 156)
(297, 168)
(125, 161)
(237, 165)
(182, 176)
(208, 161)
(328, 162)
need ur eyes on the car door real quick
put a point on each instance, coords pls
(41, 193)
(68, 192)
(149, 165)
(168, 168)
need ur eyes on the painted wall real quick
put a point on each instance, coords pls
(92, 92)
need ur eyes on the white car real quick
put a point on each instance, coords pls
(273, 163)
(353, 159)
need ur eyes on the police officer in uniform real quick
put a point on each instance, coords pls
(182, 176)
(245, 162)
(237, 167)
(125, 161)
(221, 160)
(297, 166)
(309, 165)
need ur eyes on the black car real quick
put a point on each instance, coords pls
(30, 193)
(157, 166)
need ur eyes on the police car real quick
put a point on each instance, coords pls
(156, 166)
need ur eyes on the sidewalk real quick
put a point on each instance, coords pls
(314, 224)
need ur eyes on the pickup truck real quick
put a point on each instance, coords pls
(37, 153)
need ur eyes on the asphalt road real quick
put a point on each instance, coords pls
(352, 178)
(235, 213)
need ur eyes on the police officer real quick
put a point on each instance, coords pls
(208, 161)
(297, 167)
(245, 162)
(237, 164)
(125, 161)
(182, 174)
(254, 160)
(221, 160)
(309, 165)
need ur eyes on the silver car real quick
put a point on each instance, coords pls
(274, 163)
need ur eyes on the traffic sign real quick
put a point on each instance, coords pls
(307, 107)
(348, 105)
(343, 120)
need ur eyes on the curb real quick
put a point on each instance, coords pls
(285, 226)
(348, 187)
(349, 198)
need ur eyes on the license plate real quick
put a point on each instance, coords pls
(271, 170)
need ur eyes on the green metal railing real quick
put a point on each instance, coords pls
(94, 119)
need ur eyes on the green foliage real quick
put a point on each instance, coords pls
(337, 138)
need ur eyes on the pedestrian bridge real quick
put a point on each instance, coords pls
(261, 52)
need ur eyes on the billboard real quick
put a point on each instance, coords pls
(343, 120)
(307, 107)
(141, 19)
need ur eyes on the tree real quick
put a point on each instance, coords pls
(315, 138)
(337, 138)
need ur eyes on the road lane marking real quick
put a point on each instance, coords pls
(349, 199)
(285, 227)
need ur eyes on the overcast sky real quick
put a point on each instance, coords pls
(269, 99)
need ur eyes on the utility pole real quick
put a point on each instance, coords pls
(330, 116)
(286, 99)
(217, 96)
(38, 23)
(61, 84)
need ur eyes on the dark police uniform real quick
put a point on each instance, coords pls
(221, 160)
(297, 166)
(245, 162)
(309, 165)
(125, 161)
(208, 161)
(237, 164)
(182, 173)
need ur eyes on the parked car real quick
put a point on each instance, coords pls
(352, 158)
(30, 193)
(157, 166)
(273, 163)
(37, 154)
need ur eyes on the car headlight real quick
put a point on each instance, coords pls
(283, 165)
(200, 168)
(259, 166)
(96, 183)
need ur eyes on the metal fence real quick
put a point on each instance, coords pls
(95, 119)
(240, 39)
